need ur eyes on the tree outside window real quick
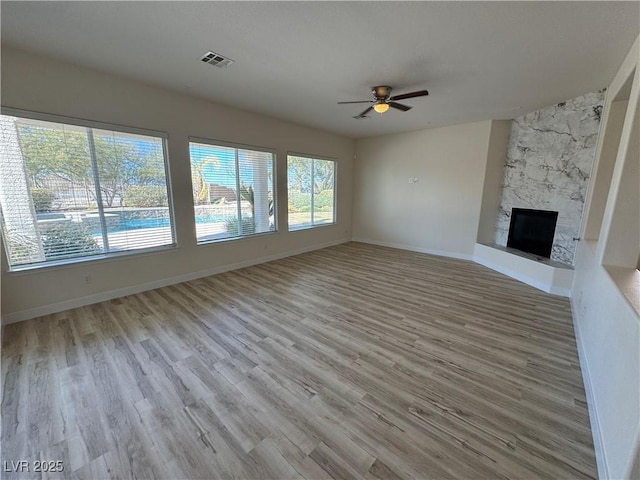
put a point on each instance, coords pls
(311, 192)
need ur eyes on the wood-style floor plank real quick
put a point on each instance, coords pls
(354, 361)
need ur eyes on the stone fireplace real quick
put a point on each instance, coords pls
(549, 161)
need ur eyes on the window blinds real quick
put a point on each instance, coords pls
(232, 191)
(70, 191)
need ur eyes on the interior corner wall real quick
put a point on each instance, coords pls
(494, 173)
(421, 190)
(43, 84)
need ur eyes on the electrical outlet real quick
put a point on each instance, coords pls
(87, 279)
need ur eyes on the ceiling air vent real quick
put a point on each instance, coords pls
(216, 59)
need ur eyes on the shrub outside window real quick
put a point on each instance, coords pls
(72, 190)
(311, 192)
(232, 190)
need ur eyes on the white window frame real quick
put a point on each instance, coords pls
(240, 146)
(61, 119)
(335, 190)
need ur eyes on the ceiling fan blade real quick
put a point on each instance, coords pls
(419, 93)
(359, 101)
(399, 106)
(364, 114)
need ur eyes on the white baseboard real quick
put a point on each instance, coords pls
(121, 292)
(411, 248)
(596, 432)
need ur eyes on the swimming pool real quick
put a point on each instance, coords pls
(140, 223)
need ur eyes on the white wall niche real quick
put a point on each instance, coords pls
(613, 118)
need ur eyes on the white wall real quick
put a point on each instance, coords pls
(608, 334)
(42, 84)
(606, 152)
(606, 323)
(440, 213)
(621, 219)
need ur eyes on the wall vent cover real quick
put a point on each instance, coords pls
(216, 59)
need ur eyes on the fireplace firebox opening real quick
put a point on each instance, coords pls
(532, 231)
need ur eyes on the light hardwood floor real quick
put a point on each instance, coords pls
(354, 361)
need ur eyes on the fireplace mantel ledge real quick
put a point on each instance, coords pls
(541, 273)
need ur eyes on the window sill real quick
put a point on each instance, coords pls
(627, 280)
(102, 258)
(309, 227)
(231, 239)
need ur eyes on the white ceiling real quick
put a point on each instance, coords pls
(295, 60)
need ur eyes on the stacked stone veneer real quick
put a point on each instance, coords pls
(549, 161)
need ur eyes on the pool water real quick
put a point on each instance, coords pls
(140, 223)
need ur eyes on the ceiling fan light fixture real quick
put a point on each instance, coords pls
(381, 91)
(381, 107)
(382, 100)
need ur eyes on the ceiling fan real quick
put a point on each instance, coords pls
(382, 100)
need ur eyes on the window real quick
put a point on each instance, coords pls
(232, 191)
(311, 186)
(70, 191)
